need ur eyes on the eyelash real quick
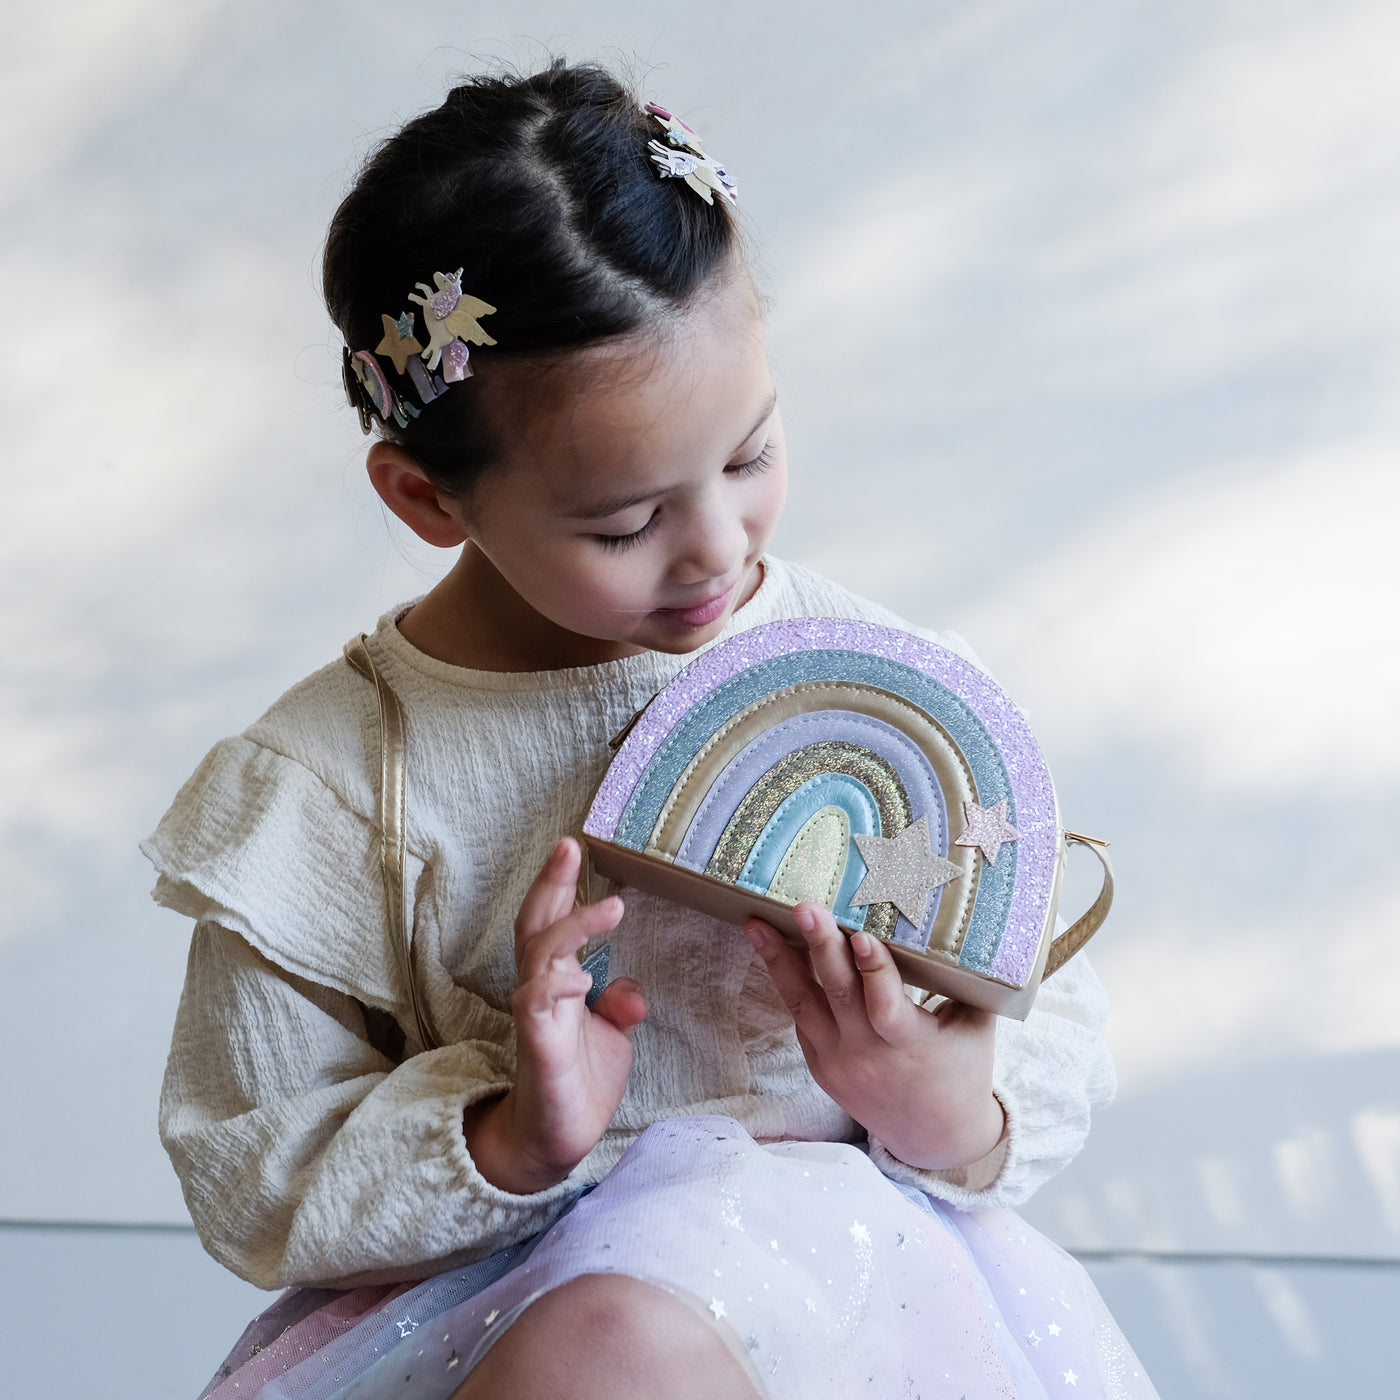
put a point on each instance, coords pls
(627, 541)
(762, 462)
(754, 465)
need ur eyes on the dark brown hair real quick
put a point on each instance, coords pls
(541, 189)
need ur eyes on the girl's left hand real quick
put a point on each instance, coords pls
(919, 1081)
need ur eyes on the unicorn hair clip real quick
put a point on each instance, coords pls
(452, 318)
(682, 157)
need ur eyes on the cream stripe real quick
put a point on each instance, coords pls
(916, 724)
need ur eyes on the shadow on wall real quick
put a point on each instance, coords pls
(1300, 1157)
(1245, 1331)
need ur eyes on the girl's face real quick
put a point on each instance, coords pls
(640, 485)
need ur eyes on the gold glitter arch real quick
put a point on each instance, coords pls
(784, 778)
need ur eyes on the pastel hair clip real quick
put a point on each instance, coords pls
(682, 157)
(452, 318)
(367, 386)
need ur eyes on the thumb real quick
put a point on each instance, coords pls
(959, 1014)
(623, 1002)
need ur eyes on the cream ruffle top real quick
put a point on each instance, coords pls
(307, 1154)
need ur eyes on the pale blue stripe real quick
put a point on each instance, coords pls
(828, 790)
(995, 882)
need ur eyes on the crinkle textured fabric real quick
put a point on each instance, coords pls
(309, 1156)
(825, 1278)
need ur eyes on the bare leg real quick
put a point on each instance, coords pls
(609, 1337)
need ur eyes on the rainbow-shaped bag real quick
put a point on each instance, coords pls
(861, 767)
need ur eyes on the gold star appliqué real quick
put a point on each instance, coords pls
(902, 871)
(987, 828)
(399, 341)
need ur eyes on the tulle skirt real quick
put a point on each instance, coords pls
(824, 1277)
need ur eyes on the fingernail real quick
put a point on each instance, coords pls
(806, 920)
(861, 945)
(755, 933)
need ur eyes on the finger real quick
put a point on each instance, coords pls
(787, 966)
(832, 962)
(540, 996)
(623, 1002)
(563, 938)
(551, 893)
(886, 1004)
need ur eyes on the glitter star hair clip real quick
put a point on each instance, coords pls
(682, 157)
(451, 317)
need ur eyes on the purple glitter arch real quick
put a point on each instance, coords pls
(1036, 815)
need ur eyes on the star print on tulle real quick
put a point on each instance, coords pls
(987, 828)
(407, 1326)
(399, 341)
(717, 1307)
(902, 871)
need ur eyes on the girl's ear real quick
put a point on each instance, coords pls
(406, 490)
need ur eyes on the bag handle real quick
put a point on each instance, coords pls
(393, 805)
(1087, 924)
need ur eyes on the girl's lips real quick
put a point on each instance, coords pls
(699, 616)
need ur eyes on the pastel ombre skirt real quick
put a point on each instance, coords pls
(825, 1278)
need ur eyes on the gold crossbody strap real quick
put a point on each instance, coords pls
(393, 804)
(1087, 925)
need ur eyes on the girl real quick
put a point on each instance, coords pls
(739, 1171)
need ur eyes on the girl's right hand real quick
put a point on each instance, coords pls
(572, 1062)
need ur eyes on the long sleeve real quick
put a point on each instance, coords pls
(1051, 1071)
(305, 1154)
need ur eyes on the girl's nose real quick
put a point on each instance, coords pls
(714, 544)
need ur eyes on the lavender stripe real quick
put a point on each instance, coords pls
(758, 756)
(1030, 779)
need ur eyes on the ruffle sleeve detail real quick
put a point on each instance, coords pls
(259, 844)
(305, 1155)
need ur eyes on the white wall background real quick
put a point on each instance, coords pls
(1094, 306)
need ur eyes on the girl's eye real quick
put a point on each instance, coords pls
(754, 464)
(627, 541)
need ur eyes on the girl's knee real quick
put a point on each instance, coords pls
(610, 1335)
(621, 1313)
